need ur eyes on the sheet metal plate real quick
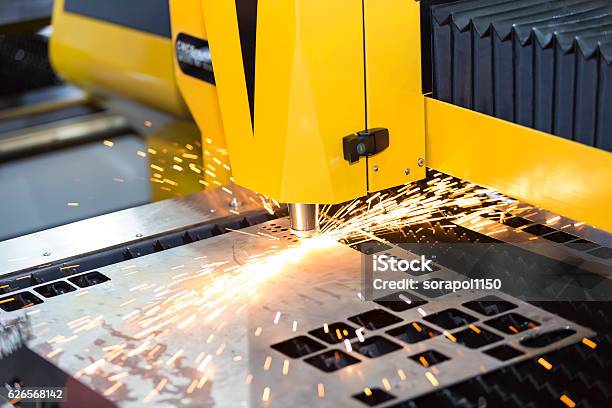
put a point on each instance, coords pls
(190, 326)
(121, 228)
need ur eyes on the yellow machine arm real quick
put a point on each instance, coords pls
(321, 100)
(317, 101)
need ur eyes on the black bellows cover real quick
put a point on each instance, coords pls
(544, 64)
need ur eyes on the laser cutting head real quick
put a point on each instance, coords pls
(321, 100)
(304, 219)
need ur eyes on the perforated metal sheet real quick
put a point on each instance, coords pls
(172, 330)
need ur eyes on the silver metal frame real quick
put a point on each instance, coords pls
(122, 227)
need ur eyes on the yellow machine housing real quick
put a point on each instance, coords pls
(197, 84)
(295, 77)
(112, 46)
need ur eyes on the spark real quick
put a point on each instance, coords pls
(172, 359)
(359, 333)
(55, 352)
(267, 363)
(450, 336)
(110, 390)
(567, 401)
(321, 390)
(286, 367)
(442, 198)
(205, 362)
(266, 394)
(589, 343)
(277, 317)
(108, 143)
(432, 379)
(544, 363)
(118, 376)
(72, 204)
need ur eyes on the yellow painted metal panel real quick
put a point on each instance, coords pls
(395, 99)
(309, 94)
(547, 171)
(104, 57)
(201, 97)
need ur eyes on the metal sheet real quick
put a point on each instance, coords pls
(121, 227)
(192, 326)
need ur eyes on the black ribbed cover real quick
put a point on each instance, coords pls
(543, 64)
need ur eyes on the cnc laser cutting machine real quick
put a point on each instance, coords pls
(473, 133)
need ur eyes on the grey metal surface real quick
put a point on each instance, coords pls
(113, 229)
(13, 12)
(542, 246)
(62, 186)
(59, 133)
(192, 326)
(41, 100)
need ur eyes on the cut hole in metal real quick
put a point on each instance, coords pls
(429, 358)
(400, 301)
(512, 323)
(19, 301)
(299, 346)
(450, 318)
(334, 333)
(503, 352)
(55, 289)
(373, 396)
(538, 229)
(603, 252)
(413, 332)
(489, 305)
(560, 237)
(476, 337)
(548, 338)
(375, 347)
(332, 360)
(375, 319)
(582, 245)
(89, 279)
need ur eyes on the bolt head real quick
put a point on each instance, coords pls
(421, 162)
(234, 203)
(375, 168)
(407, 172)
(47, 253)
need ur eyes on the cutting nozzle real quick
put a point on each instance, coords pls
(304, 219)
